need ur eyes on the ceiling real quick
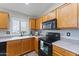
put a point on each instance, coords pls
(31, 9)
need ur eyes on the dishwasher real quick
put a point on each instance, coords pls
(2, 48)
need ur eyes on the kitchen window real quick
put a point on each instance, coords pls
(19, 25)
(15, 25)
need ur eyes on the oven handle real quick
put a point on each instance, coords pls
(48, 43)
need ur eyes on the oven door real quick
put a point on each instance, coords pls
(45, 48)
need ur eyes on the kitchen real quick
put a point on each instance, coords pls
(39, 29)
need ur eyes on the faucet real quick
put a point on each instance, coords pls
(22, 33)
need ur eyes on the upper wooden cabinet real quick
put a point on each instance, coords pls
(78, 15)
(49, 16)
(4, 20)
(39, 23)
(32, 23)
(67, 16)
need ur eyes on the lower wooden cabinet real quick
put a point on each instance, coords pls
(14, 48)
(56, 54)
(36, 45)
(58, 51)
(19, 47)
(32, 44)
(27, 45)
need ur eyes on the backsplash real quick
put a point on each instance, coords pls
(74, 33)
(2, 32)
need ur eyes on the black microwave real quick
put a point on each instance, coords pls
(50, 25)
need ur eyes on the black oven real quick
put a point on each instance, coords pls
(45, 48)
(45, 43)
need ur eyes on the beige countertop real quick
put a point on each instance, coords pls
(4, 39)
(68, 44)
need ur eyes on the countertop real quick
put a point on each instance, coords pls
(4, 39)
(65, 43)
(68, 44)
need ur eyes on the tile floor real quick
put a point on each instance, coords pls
(31, 54)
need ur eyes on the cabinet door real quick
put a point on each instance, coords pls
(41, 18)
(58, 51)
(38, 24)
(14, 48)
(24, 46)
(67, 16)
(78, 15)
(32, 44)
(4, 20)
(56, 54)
(51, 15)
(27, 45)
(32, 23)
(36, 45)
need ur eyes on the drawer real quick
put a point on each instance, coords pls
(57, 50)
(68, 53)
(56, 54)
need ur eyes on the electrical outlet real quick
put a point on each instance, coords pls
(68, 33)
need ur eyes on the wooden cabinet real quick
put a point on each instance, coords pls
(14, 48)
(58, 51)
(27, 45)
(45, 18)
(39, 23)
(19, 47)
(4, 20)
(67, 16)
(32, 23)
(78, 15)
(56, 54)
(49, 16)
(36, 45)
(32, 44)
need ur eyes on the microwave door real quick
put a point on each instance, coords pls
(53, 24)
(49, 26)
(44, 26)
